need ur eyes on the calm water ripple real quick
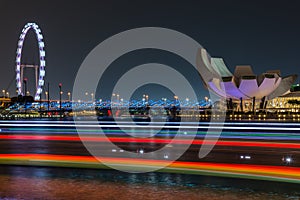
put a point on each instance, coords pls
(56, 183)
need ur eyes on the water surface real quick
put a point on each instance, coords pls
(19, 182)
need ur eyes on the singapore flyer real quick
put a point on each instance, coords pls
(42, 62)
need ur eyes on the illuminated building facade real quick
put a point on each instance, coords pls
(242, 88)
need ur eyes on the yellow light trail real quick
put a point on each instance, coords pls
(262, 172)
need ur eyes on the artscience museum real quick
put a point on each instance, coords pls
(243, 89)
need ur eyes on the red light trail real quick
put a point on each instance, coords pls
(152, 140)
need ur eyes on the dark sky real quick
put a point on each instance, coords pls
(263, 34)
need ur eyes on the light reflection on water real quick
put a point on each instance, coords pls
(57, 183)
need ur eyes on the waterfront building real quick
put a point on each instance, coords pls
(290, 101)
(243, 89)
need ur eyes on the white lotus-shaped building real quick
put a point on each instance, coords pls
(243, 83)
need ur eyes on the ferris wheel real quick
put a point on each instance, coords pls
(39, 70)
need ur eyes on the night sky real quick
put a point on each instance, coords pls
(263, 34)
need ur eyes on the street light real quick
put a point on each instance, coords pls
(60, 93)
(187, 101)
(113, 98)
(25, 85)
(86, 96)
(165, 100)
(25, 89)
(48, 97)
(46, 93)
(92, 95)
(3, 91)
(69, 96)
(7, 94)
(176, 99)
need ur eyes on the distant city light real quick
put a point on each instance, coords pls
(246, 157)
(288, 159)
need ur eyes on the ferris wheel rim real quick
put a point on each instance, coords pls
(42, 61)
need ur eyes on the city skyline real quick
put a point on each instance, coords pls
(149, 99)
(260, 34)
